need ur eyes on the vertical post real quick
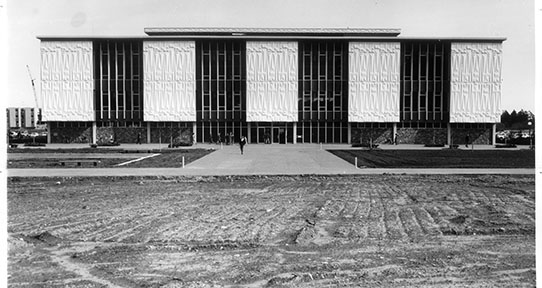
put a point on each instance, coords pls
(295, 132)
(195, 132)
(148, 132)
(394, 133)
(94, 132)
(448, 134)
(494, 134)
(349, 133)
(248, 133)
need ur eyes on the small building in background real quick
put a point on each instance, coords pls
(23, 117)
(13, 118)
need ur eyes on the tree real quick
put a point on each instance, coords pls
(505, 118)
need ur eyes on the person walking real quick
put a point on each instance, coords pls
(467, 140)
(242, 143)
(138, 138)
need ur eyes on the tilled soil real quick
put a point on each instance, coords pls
(279, 231)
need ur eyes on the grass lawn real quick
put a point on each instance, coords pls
(445, 158)
(170, 159)
(69, 150)
(166, 159)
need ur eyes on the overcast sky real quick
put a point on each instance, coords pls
(513, 19)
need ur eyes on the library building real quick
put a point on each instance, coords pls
(283, 86)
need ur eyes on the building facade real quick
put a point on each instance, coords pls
(272, 85)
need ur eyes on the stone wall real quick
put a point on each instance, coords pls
(175, 135)
(129, 134)
(476, 135)
(71, 134)
(421, 135)
(378, 135)
(106, 135)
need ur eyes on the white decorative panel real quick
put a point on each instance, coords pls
(67, 87)
(374, 86)
(475, 85)
(169, 69)
(272, 81)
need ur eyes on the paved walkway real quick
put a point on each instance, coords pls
(261, 159)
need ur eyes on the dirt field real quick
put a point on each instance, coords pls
(311, 231)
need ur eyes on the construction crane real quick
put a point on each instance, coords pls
(36, 109)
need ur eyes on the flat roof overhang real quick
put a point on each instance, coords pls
(263, 38)
(274, 32)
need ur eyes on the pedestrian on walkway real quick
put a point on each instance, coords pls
(467, 140)
(138, 138)
(242, 143)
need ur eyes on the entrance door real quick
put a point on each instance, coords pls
(264, 135)
(279, 135)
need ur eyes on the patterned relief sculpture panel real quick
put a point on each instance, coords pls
(272, 82)
(475, 82)
(374, 85)
(66, 81)
(169, 80)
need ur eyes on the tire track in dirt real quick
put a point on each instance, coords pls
(426, 222)
(359, 229)
(410, 223)
(376, 228)
(394, 226)
(62, 258)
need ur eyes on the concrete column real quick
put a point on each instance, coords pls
(449, 134)
(349, 133)
(494, 134)
(248, 132)
(195, 132)
(148, 132)
(49, 133)
(94, 132)
(394, 133)
(295, 132)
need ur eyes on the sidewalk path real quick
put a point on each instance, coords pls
(274, 159)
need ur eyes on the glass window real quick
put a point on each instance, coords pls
(322, 89)
(421, 78)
